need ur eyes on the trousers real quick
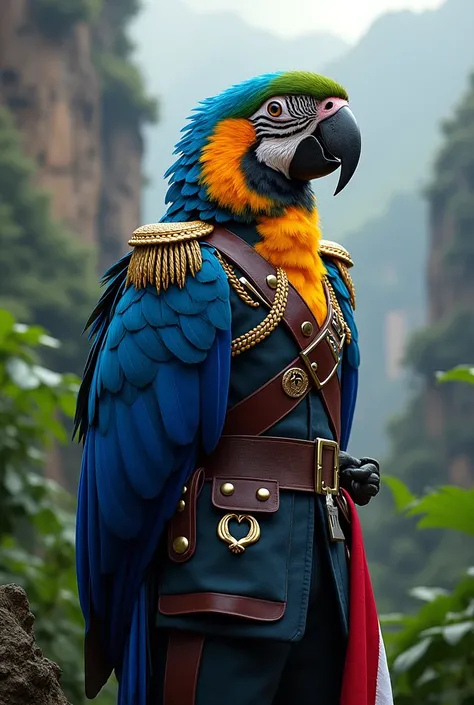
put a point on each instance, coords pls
(239, 671)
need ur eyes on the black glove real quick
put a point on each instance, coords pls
(360, 477)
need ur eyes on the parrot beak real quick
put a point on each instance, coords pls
(335, 143)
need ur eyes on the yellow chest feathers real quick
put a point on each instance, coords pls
(292, 242)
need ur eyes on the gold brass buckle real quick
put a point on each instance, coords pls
(313, 367)
(321, 445)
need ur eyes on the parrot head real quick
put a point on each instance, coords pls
(254, 149)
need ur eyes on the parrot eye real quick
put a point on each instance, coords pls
(274, 109)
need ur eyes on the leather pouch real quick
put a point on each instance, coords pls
(242, 548)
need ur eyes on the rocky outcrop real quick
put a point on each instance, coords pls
(89, 165)
(53, 90)
(26, 676)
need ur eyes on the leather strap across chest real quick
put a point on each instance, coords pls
(317, 362)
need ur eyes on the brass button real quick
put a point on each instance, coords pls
(307, 328)
(181, 505)
(180, 544)
(263, 494)
(272, 281)
(185, 489)
(227, 489)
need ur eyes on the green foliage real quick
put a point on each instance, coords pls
(36, 515)
(124, 97)
(123, 93)
(441, 345)
(433, 440)
(431, 651)
(460, 373)
(46, 276)
(56, 17)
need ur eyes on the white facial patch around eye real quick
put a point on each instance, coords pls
(278, 152)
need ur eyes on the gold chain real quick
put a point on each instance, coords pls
(270, 322)
(235, 283)
(337, 309)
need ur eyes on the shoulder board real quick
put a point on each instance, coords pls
(165, 253)
(343, 261)
(169, 233)
(336, 251)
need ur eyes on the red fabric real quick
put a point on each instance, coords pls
(363, 657)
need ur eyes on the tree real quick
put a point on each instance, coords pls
(46, 276)
(431, 651)
(36, 515)
(432, 441)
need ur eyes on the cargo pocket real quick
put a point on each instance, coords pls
(232, 566)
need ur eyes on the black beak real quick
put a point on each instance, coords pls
(335, 143)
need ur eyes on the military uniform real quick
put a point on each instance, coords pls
(253, 594)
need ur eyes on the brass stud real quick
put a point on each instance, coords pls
(307, 328)
(272, 281)
(314, 366)
(227, 489)
(181, 505)
(180, 544)
(185, 489)
(263, 494)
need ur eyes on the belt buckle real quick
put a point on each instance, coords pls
(335, 348)
(321, 445)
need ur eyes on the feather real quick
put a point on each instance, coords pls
(180, 347)
(351, 355)
(151, 344)
(198, 331)
(181, 420)
(156, 367)
(215, 375)
(139, 369)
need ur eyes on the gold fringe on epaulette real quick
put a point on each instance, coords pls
(165, 253)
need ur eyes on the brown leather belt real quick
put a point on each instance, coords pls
(319, 349)
(242, 468)
(300, 466)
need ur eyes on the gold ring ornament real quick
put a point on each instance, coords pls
(238, 546)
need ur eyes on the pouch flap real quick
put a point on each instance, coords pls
(239, 494)
(249, 608)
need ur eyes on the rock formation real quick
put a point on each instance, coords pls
(26, 676)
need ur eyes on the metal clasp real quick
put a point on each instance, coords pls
(335, 348)
(321, 445)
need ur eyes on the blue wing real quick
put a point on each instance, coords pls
(351, 356)
(154, 394)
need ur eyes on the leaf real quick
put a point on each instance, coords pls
(7, 322)
(451, 633)
(47, 377)
(22, 374)
(391, 618)
(401, 494)
(461, 373)
(411, 656)
(446, 508)
(67, 403)
(427, 594)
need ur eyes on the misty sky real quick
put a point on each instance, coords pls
(346, 18)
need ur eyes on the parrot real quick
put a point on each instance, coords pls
(157, 381)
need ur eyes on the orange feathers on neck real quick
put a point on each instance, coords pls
(291, 241)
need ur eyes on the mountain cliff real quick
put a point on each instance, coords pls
(78, 102)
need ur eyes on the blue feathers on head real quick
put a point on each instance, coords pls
(187, 199)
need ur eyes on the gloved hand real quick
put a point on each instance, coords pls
(360, 477)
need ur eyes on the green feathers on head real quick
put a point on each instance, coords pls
(289, 83)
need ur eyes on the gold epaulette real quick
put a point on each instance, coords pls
(165, 253)
(343, 261)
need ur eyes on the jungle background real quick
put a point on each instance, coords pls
(93, 94)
